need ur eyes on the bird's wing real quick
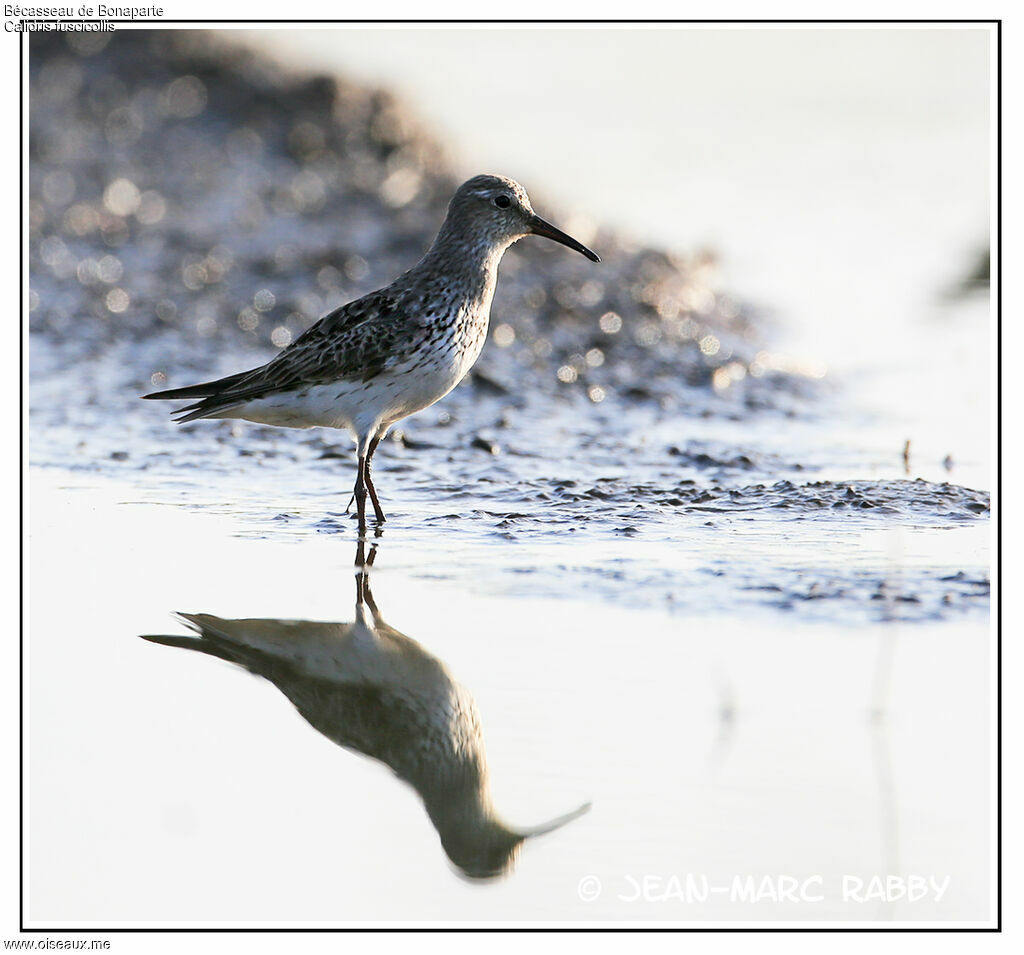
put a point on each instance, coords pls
(354, 342)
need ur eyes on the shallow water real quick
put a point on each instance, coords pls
(714, 598)
(714, 745)
(543, 497)
(740, 653)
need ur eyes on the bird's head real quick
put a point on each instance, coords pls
(499, 208)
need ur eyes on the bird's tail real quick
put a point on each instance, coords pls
(205, 390)
(207, 638)
(212, 395)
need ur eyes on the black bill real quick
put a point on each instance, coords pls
(539, 226)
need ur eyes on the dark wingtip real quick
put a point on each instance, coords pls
(169, 394)
(169, 640)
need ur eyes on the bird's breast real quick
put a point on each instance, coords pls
(449, 348)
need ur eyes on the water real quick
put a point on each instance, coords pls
(694, 583)
(720, 745)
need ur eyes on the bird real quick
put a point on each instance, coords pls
(393, 352)
(369, 688)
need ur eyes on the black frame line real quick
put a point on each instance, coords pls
(997, 927)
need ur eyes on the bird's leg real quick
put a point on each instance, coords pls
(367, 593)
(362, 565)
(378, 511)
(360, 493)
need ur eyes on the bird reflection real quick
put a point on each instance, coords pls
(371, 689)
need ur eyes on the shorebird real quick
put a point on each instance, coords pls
(395, 351)
(371, 689)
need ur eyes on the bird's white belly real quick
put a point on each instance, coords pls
(417, 383)
(364, 407)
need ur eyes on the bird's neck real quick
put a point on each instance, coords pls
(466, 262)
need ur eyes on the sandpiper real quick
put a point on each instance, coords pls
(370, 689)
(393, 352)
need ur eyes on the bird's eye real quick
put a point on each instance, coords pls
(502, 202)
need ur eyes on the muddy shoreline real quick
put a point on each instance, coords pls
(194, 207)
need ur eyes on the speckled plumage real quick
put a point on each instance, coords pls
(393, 352)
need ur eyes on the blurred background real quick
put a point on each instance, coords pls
(804, 155)
(842, 175)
